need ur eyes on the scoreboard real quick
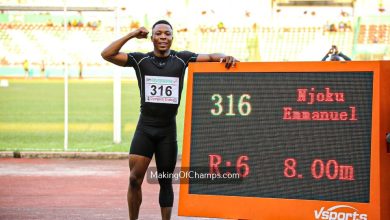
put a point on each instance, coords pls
(296, 140)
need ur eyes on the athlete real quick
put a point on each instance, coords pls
(160, 76)
(335, 55)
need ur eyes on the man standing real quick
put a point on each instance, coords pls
(160, 76)
(26, 69)
(335, 55)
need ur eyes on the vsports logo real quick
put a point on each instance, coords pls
(340, 212)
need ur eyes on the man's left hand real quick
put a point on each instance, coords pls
(229, 61)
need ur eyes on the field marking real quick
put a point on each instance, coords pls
(57, 127)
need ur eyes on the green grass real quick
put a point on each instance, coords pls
(32, 115)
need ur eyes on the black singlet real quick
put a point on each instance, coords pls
(164, 71)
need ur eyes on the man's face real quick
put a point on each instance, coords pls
(162, 37)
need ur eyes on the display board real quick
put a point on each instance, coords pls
(289, 133)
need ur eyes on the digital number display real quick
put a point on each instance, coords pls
(289, 135)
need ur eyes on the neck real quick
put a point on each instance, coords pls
(161, 54)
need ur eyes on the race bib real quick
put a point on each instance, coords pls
(162, 89)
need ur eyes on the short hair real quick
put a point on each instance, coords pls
(162, 22)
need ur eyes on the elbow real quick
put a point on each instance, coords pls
(107, 54)
(104, 55)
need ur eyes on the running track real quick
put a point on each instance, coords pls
(77, 189)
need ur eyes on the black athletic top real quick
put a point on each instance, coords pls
(345, 57)
(160, 81)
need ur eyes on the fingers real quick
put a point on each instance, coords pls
(143, 29)
(142, 32)
(229, 61)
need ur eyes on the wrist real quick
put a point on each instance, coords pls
(131, 35)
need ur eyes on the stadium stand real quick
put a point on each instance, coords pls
(42, 38)
(372, 38)
(46, 42)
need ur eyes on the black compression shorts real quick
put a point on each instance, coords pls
(155, 136)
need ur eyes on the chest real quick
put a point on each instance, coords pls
(168, 67)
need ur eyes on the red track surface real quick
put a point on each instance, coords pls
(71, 189)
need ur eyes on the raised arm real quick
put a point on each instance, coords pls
(345, 57)
(217, 57)
(325, 57)
(112, 53)
(328, 54)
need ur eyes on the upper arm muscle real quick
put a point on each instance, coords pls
(203, 58)
(120, 59)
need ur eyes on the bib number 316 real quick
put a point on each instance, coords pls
(161, 89)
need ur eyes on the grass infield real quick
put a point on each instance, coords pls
(32, 115)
